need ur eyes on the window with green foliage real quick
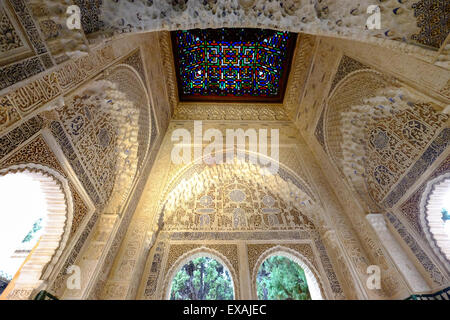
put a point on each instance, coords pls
(280, 278)
(23, 221)
(202, 279)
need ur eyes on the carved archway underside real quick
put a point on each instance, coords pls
(196, 177)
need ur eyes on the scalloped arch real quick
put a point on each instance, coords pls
(45, 256)
(430, 217)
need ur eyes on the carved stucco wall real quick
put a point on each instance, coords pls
(223, 214)
(109, 126)
(135, 255)
(405, 219)
(61, 41)
(431, 205)
(98, 256)
(35, 38)
(133, 249)
(47, 89)
(38, 47)
(403, 201)
(422, 143)
(324, 18)
(375, 129)
(23, 52)
(336, 58)
(21, 143)
(415, 23)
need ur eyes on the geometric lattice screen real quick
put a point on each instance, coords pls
(232, 64)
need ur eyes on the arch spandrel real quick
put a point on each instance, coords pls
(196, 178)
(372, 147)
(375, 128)
(108, 121)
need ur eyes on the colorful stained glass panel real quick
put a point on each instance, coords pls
(232, 64)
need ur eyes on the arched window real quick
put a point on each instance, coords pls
(202, 278)
(37, 213)
(24, 211)
(280, 278)
(435, 215)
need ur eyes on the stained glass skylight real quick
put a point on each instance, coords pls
(232, 64)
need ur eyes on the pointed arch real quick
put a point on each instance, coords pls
(375, 127)
(299, 190)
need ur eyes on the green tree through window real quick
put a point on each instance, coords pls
(280, 278)
(202, 279)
